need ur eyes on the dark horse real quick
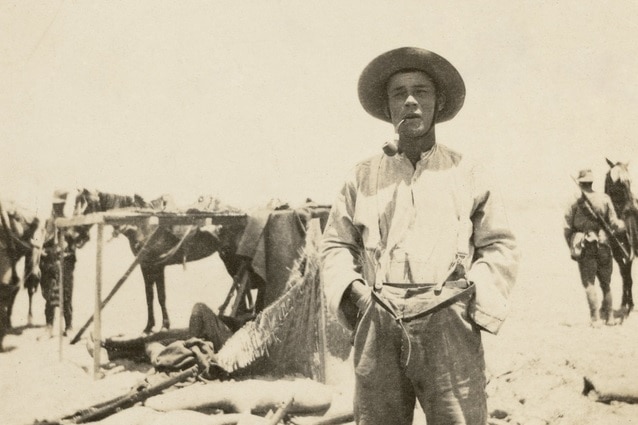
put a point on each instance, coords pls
(618, 187)
(20, 236)
(169, 245)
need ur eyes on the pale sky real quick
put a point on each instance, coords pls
(256, 100)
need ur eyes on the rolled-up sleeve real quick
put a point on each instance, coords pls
(496, 256)
(340, 249)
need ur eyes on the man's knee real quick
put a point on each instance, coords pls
(198, 308)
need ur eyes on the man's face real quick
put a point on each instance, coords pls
(412, 97)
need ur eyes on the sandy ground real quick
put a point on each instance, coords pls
(536, 364)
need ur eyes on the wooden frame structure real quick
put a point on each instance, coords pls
(121, 217)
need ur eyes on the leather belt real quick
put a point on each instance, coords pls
(467, 288)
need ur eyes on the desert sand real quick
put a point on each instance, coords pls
(536, 364)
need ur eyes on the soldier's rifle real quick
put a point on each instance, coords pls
(136, 395)
(604, 224)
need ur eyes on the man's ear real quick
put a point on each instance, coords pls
(440, 101)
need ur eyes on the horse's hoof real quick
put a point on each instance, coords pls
(612, 322)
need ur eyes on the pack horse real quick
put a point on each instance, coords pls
(168, 246)
(618, 187)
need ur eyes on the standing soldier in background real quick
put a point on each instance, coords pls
(418, 256)
(585, 232)
(50, 265)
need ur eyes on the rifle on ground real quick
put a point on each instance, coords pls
(590, 208)
(104, 409)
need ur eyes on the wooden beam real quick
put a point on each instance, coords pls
(79, 220)
(97, 328)
(217, 219)
(163, 219)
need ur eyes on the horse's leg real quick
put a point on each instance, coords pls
(5, 296)
(161, 296)
(627, 303)
(625, 274)
(11, 301)
(32, 288)
(148, 275)
(604, 270)
(4, 293)
(30, 313)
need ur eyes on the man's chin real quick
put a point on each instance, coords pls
(412, 133)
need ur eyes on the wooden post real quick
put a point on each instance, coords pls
(97, 314)
(313, 236)
(117, 286)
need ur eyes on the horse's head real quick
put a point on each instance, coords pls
(618, 185)
(93, 201)
(87, 202)
(36, 233)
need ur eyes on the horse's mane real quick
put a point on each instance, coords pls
(110, 201)
(618, 187)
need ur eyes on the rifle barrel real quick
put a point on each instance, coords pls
(604, 224)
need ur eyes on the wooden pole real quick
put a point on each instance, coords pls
(97, 328)
(117, 286)
(234, 288)
(313, 236)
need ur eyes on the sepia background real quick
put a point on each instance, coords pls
(253, 100)
(249, 101)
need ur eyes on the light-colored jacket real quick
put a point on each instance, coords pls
(394, 223)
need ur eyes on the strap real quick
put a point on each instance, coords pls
(459, 284)
(463, 208)
(461, 203)
(430, 310)
(587, 208)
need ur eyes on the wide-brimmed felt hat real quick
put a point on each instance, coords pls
(374, 78)
(585, 176)
(59, 196)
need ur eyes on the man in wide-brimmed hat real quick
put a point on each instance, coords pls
(590, 246)
(418, 256)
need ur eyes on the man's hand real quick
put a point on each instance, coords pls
(361, 295)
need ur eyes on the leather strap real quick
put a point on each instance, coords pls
(430, 310)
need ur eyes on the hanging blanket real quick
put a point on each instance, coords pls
(273, 240)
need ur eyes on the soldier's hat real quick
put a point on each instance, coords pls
(59, 196)
(374, 78)
(585, 176)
